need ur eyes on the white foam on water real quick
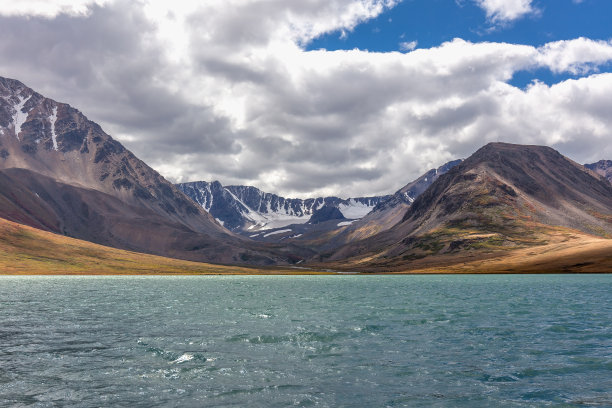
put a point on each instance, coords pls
(183, 358)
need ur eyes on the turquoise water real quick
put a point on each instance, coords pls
(332, 341)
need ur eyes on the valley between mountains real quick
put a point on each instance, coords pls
(74, 200)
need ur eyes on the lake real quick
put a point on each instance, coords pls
(325, 341)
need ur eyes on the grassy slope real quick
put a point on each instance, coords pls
(578, 254)
(551, 250)
(26, 250)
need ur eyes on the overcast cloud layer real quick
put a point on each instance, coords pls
(225, 91)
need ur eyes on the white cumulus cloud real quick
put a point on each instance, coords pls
(506, 10)
(578, 56)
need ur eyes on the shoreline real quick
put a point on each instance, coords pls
(314, 273)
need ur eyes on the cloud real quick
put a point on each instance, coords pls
(48, 8)
(408, 45)
(225, 90)
(579, 56)
(502, 11)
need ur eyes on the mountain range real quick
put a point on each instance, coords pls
(61, 173)
(247, 209)
(272, 218)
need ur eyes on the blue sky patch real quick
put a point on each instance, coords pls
(429, 23)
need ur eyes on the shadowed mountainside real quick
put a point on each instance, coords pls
(27, 250)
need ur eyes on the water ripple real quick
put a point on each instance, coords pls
(444, 341)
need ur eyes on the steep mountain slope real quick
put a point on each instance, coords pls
(503, 197)
(62, 173)
(602, 167)
(247, 209)
(388, 212)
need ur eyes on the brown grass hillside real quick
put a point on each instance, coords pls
(26, 250)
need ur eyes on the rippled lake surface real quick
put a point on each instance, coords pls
(331, 341)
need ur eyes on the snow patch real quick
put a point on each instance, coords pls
(19, 118)
(206, 205)
(354, 209)
(276, 220)
(343, 223)
(277, 232)
(53, 119)
(220, 222)
(270, 220)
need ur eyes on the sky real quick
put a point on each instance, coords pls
(321, 97)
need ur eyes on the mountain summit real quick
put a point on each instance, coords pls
(504, 196)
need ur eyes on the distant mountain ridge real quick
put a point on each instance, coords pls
(247, 208)
(602, 167)
(389, 212)
(412, 190)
